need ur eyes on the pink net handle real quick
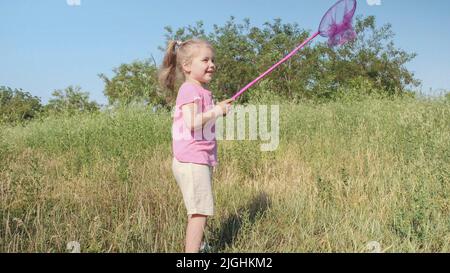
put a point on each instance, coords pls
(336, 25)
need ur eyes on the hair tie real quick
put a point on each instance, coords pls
(178, 44)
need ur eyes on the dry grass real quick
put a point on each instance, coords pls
(344, 175)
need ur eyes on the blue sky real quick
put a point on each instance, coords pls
(49, 44)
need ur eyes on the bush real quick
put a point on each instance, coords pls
(71, 100)
(18, 106)
(135, 81)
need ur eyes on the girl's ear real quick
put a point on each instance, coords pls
(186, 67)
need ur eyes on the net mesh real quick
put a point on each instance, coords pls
(336, 25)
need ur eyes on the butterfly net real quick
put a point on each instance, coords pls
(336, 25)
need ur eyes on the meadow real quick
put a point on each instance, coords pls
(344, 174)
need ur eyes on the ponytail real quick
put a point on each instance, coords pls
(168, 72)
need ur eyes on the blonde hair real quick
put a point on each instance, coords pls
(178, 53)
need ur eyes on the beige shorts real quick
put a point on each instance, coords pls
(195, 182)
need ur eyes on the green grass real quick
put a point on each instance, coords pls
(344, 174)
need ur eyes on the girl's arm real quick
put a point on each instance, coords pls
(195, 120)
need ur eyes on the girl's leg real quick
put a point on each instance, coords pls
(194, 232)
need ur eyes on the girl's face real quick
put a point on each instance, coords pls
(201, 68)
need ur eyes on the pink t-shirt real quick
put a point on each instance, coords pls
(197, 146)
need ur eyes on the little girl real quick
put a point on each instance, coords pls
(194, 144)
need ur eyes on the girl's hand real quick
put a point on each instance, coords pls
(224, 107)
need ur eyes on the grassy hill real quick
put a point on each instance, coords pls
(343, 175)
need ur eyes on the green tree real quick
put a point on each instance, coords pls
(71, 100)
(372, 62)
(133, 82)
(372, 56)
(17, 106)
(243, 52)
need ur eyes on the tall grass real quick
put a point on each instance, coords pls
(344, 174)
